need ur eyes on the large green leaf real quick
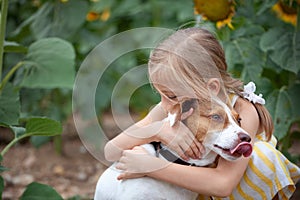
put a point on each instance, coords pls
(280, 107)
(244, 52)
(43, 127)
(37, 191)
(9, 105)
(50, 64)
(59, 19)
(294, 94)
(283, 47)
(265, 5)
(1, 185)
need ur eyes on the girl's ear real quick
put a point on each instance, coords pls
(213, 85)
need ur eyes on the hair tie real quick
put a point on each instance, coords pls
(249, 94)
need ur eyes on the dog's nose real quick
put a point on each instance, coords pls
(244, 137)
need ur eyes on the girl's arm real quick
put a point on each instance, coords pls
(137, 134)
(153, 128)
(219, 181)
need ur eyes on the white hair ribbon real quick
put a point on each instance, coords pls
(249, 94)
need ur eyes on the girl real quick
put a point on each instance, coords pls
(191, 64)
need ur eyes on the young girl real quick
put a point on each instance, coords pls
(191, 64)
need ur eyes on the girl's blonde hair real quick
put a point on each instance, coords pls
(189, 58)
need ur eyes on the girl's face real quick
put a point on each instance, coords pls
(170, 97)
(175, 93)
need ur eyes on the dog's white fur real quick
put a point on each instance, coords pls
(108, 187)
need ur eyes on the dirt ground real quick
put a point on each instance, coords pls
(75, 172)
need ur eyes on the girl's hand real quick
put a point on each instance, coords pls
(181, 140)
(127, 175)
(138, 162)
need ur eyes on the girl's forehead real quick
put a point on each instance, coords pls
(162, 88)
(176, 90)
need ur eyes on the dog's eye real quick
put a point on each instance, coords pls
(216, 117)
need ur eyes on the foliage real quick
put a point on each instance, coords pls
(48, 63)
(40, 191)
(47, 40)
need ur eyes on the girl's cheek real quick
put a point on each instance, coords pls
(165, 103)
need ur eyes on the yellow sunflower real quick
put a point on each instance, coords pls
(219, 11)
(286, 11)
(92, 16)
(103, 16)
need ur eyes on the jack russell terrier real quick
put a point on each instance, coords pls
(214, 124)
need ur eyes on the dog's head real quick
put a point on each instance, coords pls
(216, 125)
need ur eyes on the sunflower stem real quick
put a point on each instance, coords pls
(4, 8)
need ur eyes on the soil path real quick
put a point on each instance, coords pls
(73, 173)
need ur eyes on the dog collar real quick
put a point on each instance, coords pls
(168, 155)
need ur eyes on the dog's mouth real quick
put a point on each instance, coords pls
(243, 148)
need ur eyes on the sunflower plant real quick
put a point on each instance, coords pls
(46, 63)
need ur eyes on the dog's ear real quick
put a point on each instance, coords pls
(175, 114)
(188, 104)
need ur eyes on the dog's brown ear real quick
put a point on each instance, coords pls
(188, 104)
(180, 108)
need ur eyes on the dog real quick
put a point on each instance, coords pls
(214, 123)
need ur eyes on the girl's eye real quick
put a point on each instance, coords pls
(216, 117)
(172, 97)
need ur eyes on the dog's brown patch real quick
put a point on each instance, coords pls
(207, 116)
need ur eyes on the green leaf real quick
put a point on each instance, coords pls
(249, 56)
(14, 47)
(37, 191)
(232, 55)
(280, 106)
(266, 5)
(76, 197)
(1, 186)
(18, 131)
(50, 64)
(38, 141)
(283, 47)
(294, 94)
(9, 105)
(43, 127)
(2, 169)
(58, 19)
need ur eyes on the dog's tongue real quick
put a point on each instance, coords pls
(244, 148)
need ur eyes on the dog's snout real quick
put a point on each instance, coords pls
(244, 137)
